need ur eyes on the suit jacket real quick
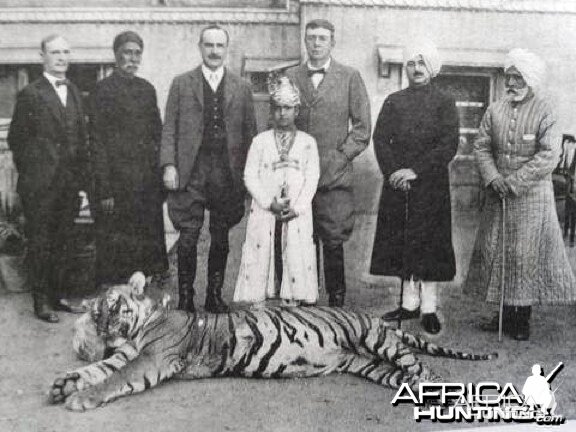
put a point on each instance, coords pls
(184, 124)
(38, 139)
(337, 114)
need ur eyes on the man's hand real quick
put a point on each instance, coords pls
(107, 205)
(401, 179)
(170, 178)
(501, 187)
(288, 215)
(277, 207)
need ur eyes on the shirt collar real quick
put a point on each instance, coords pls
(325, 66)
(52, 79)
(207, 72)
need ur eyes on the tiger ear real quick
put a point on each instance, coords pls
(137, 282)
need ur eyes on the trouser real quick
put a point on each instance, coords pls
(210, 187)
(187, 249)
(423, 296)
(278, 264)
(49, 219)
(334, 271)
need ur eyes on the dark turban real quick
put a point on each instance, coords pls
(127, 36)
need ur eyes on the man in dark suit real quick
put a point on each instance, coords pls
(48, 141)
(336, 111)
(208, 129)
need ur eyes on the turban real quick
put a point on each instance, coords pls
(283, 92)
(532, 68)
(127, 36)
(429, 53)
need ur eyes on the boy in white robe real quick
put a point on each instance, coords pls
(281, 174)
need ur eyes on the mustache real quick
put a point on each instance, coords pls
(214, 57)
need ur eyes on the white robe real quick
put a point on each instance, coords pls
(264, 179)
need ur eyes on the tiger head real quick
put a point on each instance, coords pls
(120, 313)
(113, 318)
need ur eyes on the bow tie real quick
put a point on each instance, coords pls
(62, 82)
(316, 71)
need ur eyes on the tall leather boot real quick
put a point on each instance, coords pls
(186, 270)
(217, 259)
(334, 274)
(523, 323)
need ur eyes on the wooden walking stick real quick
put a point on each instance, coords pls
(502, 271)
(405, 244)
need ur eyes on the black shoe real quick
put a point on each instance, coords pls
(66, 305)
(401, 313)
(43, 311)
(508, 322)
(431, 323)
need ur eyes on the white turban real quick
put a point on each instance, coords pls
(429, 53)
(283, 92)
(532, 68)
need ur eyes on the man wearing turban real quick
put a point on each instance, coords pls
(126, 129)
(281, 174)
(415, 138)
(516, 150)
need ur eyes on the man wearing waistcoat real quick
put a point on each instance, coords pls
(48, 140)
(208, 129)
(335, 110)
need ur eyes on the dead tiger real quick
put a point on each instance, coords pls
(152, 343)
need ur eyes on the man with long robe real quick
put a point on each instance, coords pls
(516, 150)
(126, 130)
(415, 138)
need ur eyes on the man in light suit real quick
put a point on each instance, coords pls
(48, 139)
(336, 111)
(208, 129)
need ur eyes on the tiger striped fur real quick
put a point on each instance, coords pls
(153, 344)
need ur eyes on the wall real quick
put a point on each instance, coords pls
(464, 32)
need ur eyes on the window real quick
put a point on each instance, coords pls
(472, 88)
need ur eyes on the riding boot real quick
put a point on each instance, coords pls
(186, 269)
(217, 259)
(214, 302)
(334, 274)
(523, 323)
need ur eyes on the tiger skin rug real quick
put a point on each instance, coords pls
(135, 343)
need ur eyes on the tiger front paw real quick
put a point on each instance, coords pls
(84, 400)
(64, 387)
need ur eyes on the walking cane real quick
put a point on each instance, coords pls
(405, 243)
(502, 271)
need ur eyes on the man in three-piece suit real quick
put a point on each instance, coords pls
(336, 111)
(209, 125)
(48, 141)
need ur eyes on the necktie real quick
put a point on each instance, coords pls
(312, 72)
(62, 82)
(214, 81)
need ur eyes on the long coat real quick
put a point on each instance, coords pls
(184, 124)
(257, 275)
(518, 141)
(417, 128)
(126, 129)
(337, 115)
